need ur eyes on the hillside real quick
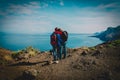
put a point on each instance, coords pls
(5, 56)
(101, 62)
(110, 34)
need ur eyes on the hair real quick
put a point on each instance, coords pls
(59, 29)
(56, 28)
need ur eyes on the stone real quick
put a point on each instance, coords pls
(84, 53)
(97, 53)
(30, 74)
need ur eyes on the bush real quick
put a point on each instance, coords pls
(114, 43)
(92, 48)
(8, 58)
(28, 51)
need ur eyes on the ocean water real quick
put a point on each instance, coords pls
(42, 41)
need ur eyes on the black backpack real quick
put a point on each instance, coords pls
(64, 36)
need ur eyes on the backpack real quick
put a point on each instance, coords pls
(64, 36)
(53, 39)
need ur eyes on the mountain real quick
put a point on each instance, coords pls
(109, 34)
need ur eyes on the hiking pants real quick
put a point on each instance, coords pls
(64, 50)
(59, 51)
(55, 55)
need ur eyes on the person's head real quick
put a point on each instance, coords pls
(56, 29)
(59, 29)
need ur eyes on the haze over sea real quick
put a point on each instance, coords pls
(42, 41)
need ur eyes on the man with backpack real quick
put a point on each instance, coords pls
(64, 37)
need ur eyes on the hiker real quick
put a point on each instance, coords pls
(60, 43)
(56, 44)
(64, 37)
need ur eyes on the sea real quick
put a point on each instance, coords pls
(42, 41)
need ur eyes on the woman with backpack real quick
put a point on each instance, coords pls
(56, 42)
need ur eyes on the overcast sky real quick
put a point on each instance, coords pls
(42, 16)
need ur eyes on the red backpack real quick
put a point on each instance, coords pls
(53, 39)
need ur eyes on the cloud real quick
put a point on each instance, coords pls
(25, 24)
(61, 3)
(39, 17)
(110, 5)
(23, 9)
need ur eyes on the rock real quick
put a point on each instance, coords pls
(20, 57)
(85, 48)
(26, 56)
(75, 49)
(104, 76)
(101, 46)
(30, 74)
(69, 55)
(50, 62)
(23, 56)
(97, 53)
(84, 53)
(77, 66)
(69, 50)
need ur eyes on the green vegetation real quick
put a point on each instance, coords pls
(5, 56)
(5, 59)
(114, 43)
(92, 48)
(29, 51)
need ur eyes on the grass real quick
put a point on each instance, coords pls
(28, 50)
(114, 43)
(92, 48)
(8, 58)
(5, 59)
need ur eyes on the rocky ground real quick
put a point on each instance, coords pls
(101, 62)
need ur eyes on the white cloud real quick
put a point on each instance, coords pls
(27, 9)
(27, 24)
(111, 5)
(75, 20)
(61, 3)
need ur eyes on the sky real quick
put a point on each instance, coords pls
(42, 16)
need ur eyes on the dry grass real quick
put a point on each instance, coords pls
(8, 58)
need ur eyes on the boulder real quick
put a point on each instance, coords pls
(84, 53)
(30, 74)
(97, 53)
(23, 56)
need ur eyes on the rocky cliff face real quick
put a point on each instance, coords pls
(110, 34)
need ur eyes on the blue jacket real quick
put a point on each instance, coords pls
(59, 40)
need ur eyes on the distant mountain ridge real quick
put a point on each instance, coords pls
(110, 34)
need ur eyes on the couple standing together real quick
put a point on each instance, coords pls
(58, 41)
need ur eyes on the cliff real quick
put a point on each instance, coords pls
(109, 34)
